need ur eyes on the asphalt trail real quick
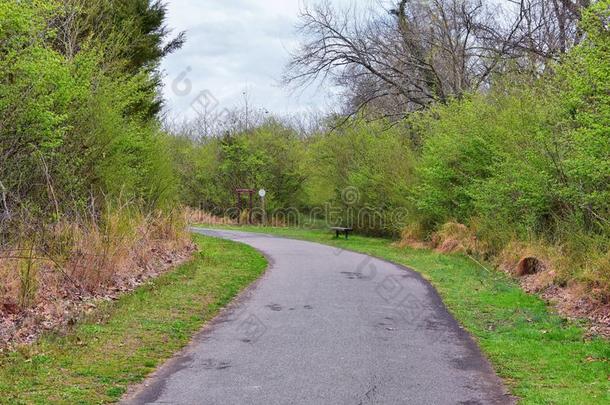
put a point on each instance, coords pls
(327, 326)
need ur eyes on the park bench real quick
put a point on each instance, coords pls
(339, 230)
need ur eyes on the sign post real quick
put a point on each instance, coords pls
(262, 193)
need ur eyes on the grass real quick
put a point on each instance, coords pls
(125, 340)
(543, 358)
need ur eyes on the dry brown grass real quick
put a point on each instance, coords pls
(535, 262)
(513, 257)
(454, 237)
(196, 216)
(597, 275)
(48, 277)
(576, 279)
(413, 236)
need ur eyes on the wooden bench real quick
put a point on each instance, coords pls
(339, 230)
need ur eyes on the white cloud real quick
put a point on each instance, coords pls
(233, 45)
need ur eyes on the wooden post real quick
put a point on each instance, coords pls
(251, 207)
(238, 207)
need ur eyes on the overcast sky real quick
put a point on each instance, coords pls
(233, 45)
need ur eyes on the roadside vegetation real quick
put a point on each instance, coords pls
(516, 173)
(120, 342)
(87, 198)
(542, 357)
(474, 127)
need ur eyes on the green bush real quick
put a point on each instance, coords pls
(584, 80)
(74, 131)
(528, 160)
(360, 176)
(269, 156)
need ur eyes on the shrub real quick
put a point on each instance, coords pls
(526, 167)
(269, 156)
(363, 172)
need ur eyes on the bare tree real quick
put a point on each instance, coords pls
(544, 30)
(402, 58)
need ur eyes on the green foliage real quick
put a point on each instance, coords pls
(131, 35)
(528, 161)
(135, 160)
(525, 156)
(491, 156)
(585, 77)
(73, 130)
(363, 172)
(455, 155)
(269, 157)
(136, 26)
(35, 93)
(359, 175)
(123, 341)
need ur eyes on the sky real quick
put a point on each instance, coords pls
(236, 46)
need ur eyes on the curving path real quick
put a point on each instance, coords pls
(328, 326)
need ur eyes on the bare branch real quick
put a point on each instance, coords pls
(425, 52)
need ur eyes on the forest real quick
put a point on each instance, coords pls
(464, 125)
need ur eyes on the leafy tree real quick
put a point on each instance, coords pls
(131, 35)
(585, 82)
(269, 156)
(72, 131)
(364, 171)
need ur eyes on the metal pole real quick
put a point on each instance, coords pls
(264, 219)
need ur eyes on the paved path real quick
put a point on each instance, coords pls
(328, 326)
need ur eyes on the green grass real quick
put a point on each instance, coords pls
(127, 339)
(543, 358)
